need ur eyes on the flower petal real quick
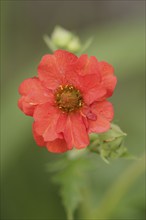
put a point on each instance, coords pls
(38, 138)
(46, 117)
(91, 90)
(74, 130)
(44, 111)
(33, 93)
(87, 113)
(48, 72)
(87, 66)
(64, 59)
(52, 68)
(80, 64)
(104, 113)
(57, 146)
(26, 107)
(89, 86)
(108, 79)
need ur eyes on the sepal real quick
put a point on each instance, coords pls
(110, 144)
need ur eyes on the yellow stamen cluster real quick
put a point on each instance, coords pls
(68, 98)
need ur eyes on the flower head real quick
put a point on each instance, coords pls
(68, 100)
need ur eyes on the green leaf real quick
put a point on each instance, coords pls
(71, 180)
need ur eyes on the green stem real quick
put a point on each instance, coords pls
(118, 189)
(70, 216)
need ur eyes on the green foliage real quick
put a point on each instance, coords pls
(63, 39)
(70, 176)
(109, 144)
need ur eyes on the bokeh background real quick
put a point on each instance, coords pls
(118, 28)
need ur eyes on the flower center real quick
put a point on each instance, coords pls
(68, 98)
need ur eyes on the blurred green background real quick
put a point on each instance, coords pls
(118, 28)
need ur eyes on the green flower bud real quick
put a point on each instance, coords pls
(64, 39)
(109, 144)
(74, 45)
(61, 37)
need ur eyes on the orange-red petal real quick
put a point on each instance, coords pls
(46, 117)
(57, 146)
(74, 130)
(48, 72)
(38, 138)
(104, 112)
(109, 81)
(64, 59)
(87, 66)
(52, 68)
(33, 93)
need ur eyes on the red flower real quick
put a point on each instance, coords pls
(68, 100)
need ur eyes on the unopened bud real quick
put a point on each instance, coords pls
(110, 144)
(61, 37)
(65, 39)
(74, 45)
